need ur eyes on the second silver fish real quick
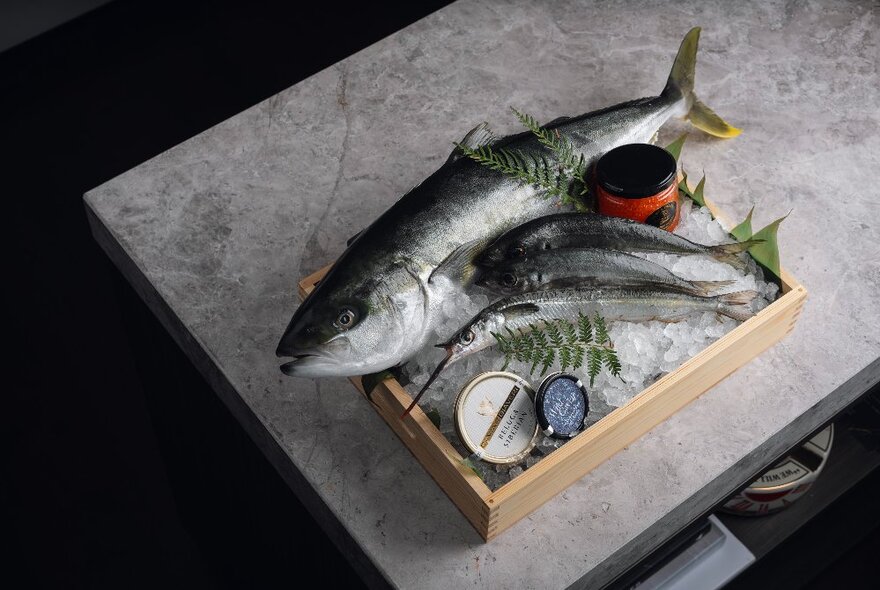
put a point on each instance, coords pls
(585, 267)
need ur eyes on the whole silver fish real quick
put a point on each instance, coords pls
(576, 230)
(517, 313)
(584, 267)
(382, 299)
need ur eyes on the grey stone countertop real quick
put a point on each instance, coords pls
(216, 232)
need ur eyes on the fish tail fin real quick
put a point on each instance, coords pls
(737, 305)
(705, 287)
(729, 253)
(680, 86)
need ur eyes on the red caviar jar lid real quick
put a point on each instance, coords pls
(636, 170)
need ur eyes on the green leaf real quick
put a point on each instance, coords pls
(433, 415)
(370, 381)
(767, 252)
(697, 195)
(468, 462)
(743, 231)
(674, 148)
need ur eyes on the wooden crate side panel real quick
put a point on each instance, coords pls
(438, 457)
(656, 403)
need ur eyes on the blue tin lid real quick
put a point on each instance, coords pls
(561, 405)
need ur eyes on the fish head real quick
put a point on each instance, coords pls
(342, 331)
(505, 278)
(475, 336)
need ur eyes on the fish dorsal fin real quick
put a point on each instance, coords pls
(459, 265)
(353, 238)
(519, 310)
(557, 120)
(475, 138)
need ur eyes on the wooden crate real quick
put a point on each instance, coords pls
(493, 512)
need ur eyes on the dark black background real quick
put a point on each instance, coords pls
(119, 466)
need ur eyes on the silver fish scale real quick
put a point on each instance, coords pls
(632, 305)
(571, 267)
(565, 230)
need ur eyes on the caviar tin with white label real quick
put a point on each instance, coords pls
(561, 405)
(786, 481)
(495, 417)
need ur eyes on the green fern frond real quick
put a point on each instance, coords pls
(554, 333)
(612, 363)
(547, 361)
(567, 178)
(546, 137)
(565, 354)
(527, 169)
(577, 360)
(594, 363)
(602, 336)
(573, 344)
(585, 328)
(570, 330)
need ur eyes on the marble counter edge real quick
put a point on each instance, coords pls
(746, 469)
(367, 569)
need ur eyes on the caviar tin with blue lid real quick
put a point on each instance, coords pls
(561, 405)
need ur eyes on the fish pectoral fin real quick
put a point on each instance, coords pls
(475, 138)
(520, 310)
(459, 265)
(412, 269)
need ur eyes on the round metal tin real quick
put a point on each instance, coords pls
(495, 417)
(561, 405)
(786, 481)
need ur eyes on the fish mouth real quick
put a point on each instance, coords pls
(306, 365)
(324, 360)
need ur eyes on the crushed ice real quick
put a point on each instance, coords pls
(647, 350)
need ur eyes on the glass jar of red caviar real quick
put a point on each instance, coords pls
(637, 181)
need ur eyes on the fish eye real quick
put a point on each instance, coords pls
(346, 319)
(467, 337)
(517, 251)
(509, 279)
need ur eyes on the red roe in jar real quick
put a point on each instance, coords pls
(638, 181)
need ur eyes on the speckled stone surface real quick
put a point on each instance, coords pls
(216, 232)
